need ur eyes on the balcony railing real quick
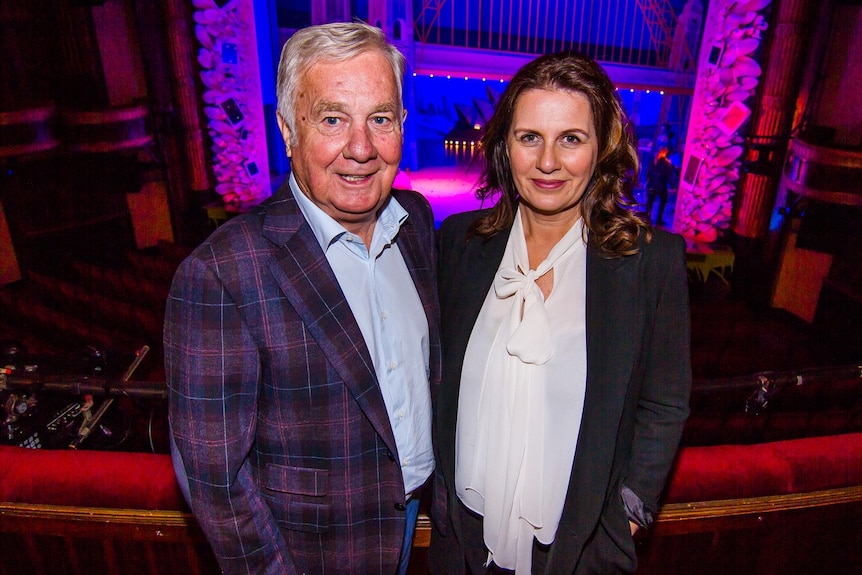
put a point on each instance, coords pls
(625, 32)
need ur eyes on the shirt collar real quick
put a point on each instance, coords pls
(327, 230)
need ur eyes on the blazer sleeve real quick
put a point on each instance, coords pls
(663, 401)
(212, 369)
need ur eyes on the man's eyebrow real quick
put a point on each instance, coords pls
(324, 106)
(388, 107)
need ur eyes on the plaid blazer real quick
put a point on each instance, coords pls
(275, 409)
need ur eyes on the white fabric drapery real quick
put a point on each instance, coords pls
(521, 399)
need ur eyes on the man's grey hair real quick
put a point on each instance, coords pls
(333, 42)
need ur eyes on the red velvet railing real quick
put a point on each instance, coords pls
(104, 499)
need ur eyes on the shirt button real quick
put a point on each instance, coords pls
(392, 366)
(405, 461)
(400, 414)
(383, 315)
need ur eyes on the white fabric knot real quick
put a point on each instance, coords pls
(530, 340)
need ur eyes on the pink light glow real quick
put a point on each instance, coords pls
(450, 189)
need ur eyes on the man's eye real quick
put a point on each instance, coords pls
(331, 121)
(383, 123)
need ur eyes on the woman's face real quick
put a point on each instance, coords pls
(553, 149)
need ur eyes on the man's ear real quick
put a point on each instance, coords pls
(285, 132)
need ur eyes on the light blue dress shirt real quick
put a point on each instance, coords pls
(386, 305)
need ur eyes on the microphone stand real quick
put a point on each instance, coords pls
(91, 422)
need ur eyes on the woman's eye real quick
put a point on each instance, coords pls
(571, 139)
(529, 138)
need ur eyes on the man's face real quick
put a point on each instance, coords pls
(348, 138)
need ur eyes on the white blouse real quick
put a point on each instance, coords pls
(521, 398)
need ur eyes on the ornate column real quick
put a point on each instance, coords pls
(181, 48)
(773, 115)
(728, 75)
(232, 101)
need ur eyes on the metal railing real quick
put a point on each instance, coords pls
(629, 32)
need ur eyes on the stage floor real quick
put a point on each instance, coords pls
(450, 189)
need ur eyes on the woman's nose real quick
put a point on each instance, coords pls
(547, 160)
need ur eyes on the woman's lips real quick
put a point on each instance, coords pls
(548, 184)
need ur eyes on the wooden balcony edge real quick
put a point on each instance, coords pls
(674, 512)
(171, 525)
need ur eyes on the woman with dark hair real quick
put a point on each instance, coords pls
(565, 330)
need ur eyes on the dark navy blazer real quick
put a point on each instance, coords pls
(638, 382)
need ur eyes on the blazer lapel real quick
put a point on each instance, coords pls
(420, 263)
(481, 265)
(304, 275)
(611, 317)
(464, 286)
(612, 327)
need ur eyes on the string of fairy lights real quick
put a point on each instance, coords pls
(467, 146)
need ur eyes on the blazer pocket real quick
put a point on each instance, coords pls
(298, 497)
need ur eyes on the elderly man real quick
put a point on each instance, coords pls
(301, 339)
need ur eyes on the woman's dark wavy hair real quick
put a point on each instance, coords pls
(608, 205)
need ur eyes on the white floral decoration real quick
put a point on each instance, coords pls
(728, 76)
(232, 101)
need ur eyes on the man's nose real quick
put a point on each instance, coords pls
(360, 144)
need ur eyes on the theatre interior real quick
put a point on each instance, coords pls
(131, 129)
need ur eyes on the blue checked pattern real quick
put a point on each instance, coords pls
(274, 404)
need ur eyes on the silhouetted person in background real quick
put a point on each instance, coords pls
(658, 178)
